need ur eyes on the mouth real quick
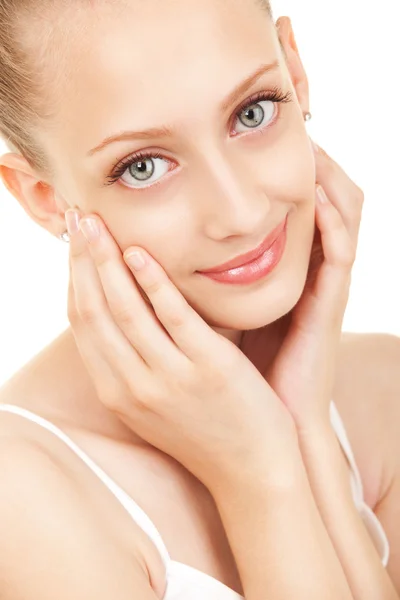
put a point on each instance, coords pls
(249, 257)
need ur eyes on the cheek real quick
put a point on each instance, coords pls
(298, 164)
(288, 170)
(170, 244)
(164, 229)
(147, 229)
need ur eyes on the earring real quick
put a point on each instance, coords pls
(64, 237)
(307, 116)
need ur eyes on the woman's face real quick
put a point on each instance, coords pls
(224, 176)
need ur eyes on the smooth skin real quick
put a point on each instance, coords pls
(166, 310)
(189, 392)
(252, 196)
(166, 385)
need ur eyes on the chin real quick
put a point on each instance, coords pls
(262, 307)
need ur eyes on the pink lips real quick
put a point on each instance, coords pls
(258, 268)
(243, 259)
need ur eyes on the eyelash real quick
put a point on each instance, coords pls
(275, 95)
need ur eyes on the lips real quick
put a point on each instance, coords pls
(243, 259)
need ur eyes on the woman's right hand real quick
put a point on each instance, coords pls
(177, 383)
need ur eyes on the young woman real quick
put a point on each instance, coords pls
(182, 438)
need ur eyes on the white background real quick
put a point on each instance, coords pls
(350, 51)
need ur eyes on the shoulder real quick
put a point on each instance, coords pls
(54, 535)
(53, 544)
(367, 395)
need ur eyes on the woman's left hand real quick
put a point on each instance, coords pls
(302, 373)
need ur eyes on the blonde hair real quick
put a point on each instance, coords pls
(27, 48)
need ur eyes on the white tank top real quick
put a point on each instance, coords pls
(183, 581)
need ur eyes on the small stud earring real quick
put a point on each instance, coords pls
(307, 116)
(64, 237)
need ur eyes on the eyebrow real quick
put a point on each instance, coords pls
(163, 132)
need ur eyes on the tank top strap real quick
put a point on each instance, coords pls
(143, 520)
(355, 477)
(368, 516)
(137, 513)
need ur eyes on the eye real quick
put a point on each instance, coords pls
(140, 170)
(260, 109)
(255, 115)
(146, 168)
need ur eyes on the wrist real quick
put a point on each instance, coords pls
(325, 463)
(263, 471)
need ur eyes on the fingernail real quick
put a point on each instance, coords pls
(135, 260)
(322, 197)
(89, 228)
(72, 221)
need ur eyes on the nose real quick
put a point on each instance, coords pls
(232, 203)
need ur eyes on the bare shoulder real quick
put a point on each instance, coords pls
(367, 395)
(53, 545)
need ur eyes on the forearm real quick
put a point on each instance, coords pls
(328, 475)
(276, 534)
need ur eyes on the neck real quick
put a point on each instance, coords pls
(76, 403)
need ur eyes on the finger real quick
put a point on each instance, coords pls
(333, 282)
(104, 342)
(132, 314)
(97, 366)
(189, 331)
(343, 193)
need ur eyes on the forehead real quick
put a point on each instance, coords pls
(137, 63)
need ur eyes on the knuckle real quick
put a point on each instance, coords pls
(101, 258)
(218, 381)
(360, 196)
(75, 253)
(152, 399)
(153, 287)
(123, 314)
(188, 380)
(100, 253)
(112, 400)
(114, 395)
(176, 316)
(89, 315)
(347, 256)
(225, 365)
(72, 314)
(189, 375)
(78, 250)
(176, 320)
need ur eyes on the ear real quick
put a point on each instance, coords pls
(293, 61)
(36, 197)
